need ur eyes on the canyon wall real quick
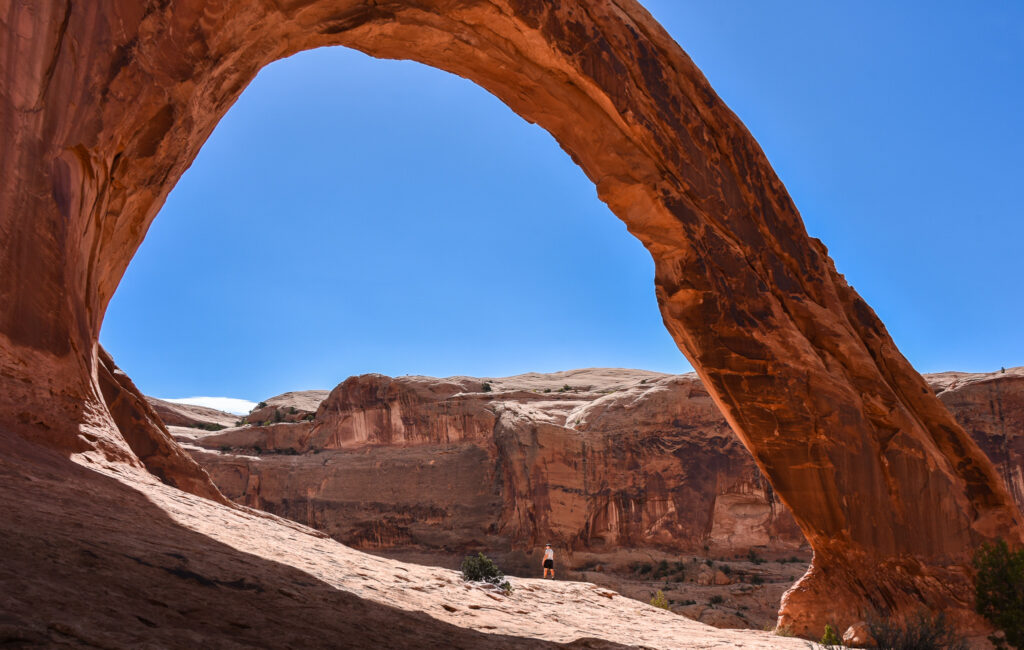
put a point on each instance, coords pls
(598, 460)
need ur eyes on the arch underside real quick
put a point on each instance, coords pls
(110, 102)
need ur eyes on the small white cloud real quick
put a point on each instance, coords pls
(229, 404)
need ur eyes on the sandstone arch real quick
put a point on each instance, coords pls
(104, 104)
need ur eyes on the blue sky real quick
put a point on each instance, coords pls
(352, 215)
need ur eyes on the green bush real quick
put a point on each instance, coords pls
(716, 600)
(482, 569)
(208, 426)
(260, 405)
(642, 568)
(659, 600)
(486, 388)
(830, 638)
(999, 591)
(921, 631)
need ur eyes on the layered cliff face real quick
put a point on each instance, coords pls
(599, 460)
(990, 407)
(103, 106)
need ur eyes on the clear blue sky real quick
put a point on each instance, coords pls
(352, 215)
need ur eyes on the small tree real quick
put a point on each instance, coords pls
(659, 600)
(486, 388)
(830, 639)
(999, 591)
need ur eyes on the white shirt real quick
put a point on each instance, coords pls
(549, 554)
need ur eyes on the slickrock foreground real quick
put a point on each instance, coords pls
(104, 104)
(119, 560)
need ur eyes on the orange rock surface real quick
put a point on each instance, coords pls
(597, 461)
(103, 105)
(623, 459)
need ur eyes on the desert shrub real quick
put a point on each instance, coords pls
(486, 388)
(716, 600)
(208, 426)
(921, 631)
(309, 416)
(565, 388)
(642, 568)
(725, 568)
(830, 639)
(756, 580)
(688, 602)
(659, 600)
(752, 556)
(784, 631)
(482, 569)
(999, 591)
(292, 410)
(260, 405)
(661, 570)
(240, 423)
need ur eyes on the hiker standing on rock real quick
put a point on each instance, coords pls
(549, 561)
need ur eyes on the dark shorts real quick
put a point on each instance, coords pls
(549, 564)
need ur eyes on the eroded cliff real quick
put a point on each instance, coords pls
(597, 460)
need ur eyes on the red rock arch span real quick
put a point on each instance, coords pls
(105, 104)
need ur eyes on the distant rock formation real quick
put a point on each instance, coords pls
(990, 407)
(595, 460)
(293, 406)
(174, 414)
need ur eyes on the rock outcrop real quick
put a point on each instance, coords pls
(103, 105)
(990, 407)
(191, 416)
(597, 460)
(293, 406)
(594, 460)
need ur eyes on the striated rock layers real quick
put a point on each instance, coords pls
(595, 460)
(104, 104)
